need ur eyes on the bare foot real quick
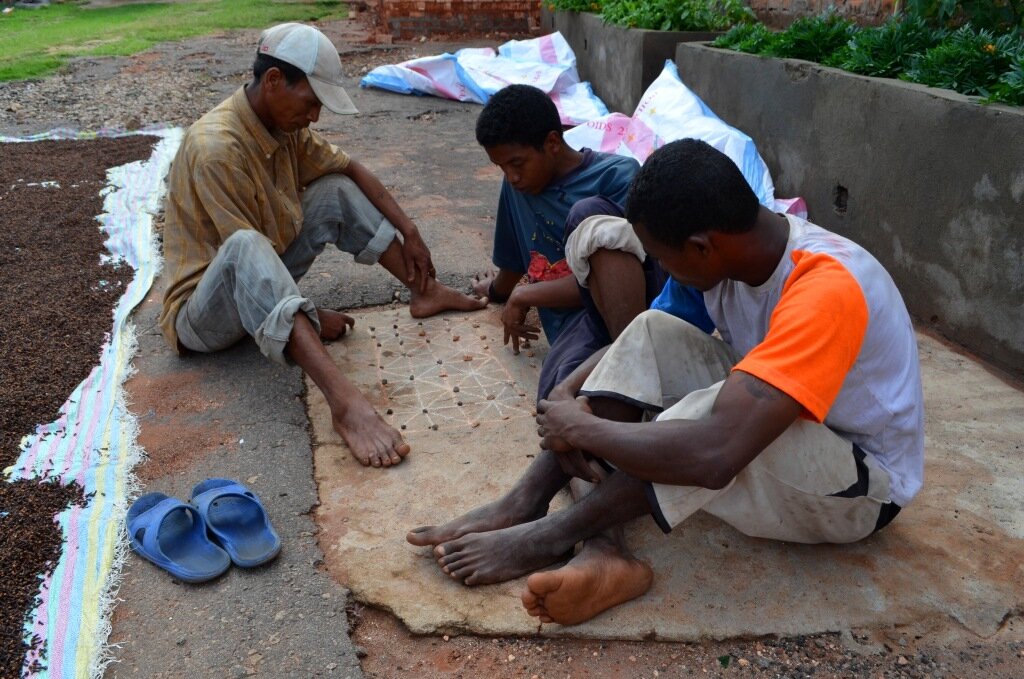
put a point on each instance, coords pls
(498, 555)
(599, 577)
(503, 513)
(334, 324)
(439, 297)
(372, 441)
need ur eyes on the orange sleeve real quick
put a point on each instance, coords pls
(814, 333)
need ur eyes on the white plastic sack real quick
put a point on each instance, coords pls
(669, 110)
(474, 74)
(547, 49)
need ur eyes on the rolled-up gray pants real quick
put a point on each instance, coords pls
(248, 289)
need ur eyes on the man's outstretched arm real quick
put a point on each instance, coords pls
(746, 417)
(415, 252)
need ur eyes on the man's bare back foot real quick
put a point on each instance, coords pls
(439, 297)
(499, 555)
(599, 577)
(334, 324)
(373, 442)
(496, 515)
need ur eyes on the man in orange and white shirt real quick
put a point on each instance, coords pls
(803, 423)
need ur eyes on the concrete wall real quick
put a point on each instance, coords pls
(929, 181)
(405, 19)
(781, 13)
(619, 62)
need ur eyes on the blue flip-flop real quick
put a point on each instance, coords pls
(236, 519)
(172, 535)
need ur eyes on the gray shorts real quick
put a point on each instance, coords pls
(248, 289)
(810, 485)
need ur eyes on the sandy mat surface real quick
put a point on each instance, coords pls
(953, 558)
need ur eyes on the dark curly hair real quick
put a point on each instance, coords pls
(689, 187)
(265, 62)
(518, 114)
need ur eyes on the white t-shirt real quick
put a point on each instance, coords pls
(830, 329)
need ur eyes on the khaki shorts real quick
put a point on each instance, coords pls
(810, 485)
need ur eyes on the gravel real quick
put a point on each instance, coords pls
(170, 85)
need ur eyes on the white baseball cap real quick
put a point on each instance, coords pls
(312, 52)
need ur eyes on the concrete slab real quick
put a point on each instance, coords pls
(953, 559)
(233, 415)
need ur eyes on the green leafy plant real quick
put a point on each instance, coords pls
(1010, 88)
(886, 51)
(812, 38)
(994, 15)
(575, 5)
(969, 61)
(677, 15)
(750, 38)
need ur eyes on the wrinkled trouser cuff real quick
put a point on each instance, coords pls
(273, 335)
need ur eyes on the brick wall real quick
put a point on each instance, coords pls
(781, 13)
(405, 19)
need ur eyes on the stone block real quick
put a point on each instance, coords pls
(929, 181)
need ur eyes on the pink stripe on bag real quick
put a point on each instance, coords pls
(793, 206)
(548, 54)
(641, 140)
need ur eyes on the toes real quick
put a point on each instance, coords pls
(420, 536)
(394, 455)
(537, 610)
(450, 561)
(362, 459)
(472, 577)
(375, 459)
(544, 582)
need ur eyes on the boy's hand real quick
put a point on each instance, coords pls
(513, 317)
(482, 284)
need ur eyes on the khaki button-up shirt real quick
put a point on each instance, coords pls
(230, 173)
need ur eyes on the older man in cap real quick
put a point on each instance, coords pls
(254, 196)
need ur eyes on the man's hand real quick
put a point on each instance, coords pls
(417, 261)
(513, 317)
(482, 284)
(558, 420)
(553, 420)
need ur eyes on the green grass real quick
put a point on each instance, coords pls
(35, 42)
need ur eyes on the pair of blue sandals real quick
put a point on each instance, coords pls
(223, 523)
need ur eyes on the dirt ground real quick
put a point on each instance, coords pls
(386, 648)
(392, 651)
